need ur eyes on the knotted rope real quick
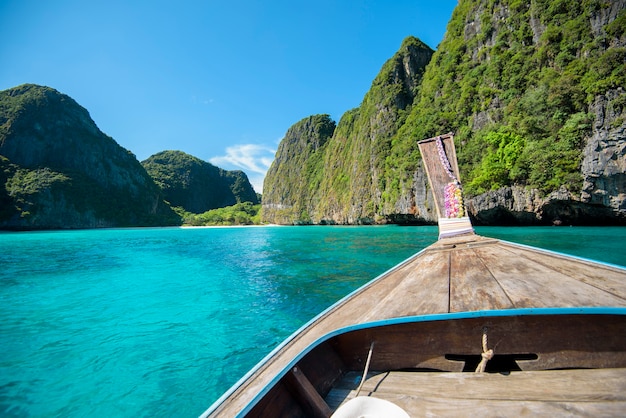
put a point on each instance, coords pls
(486, 355)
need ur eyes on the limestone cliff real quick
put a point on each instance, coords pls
(195, 185)
(58, 170)
(324, 174)
(292, 181)
(599, 194)
(534, 92)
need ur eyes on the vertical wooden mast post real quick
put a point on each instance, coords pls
(439, 156)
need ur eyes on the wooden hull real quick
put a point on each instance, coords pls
(541, 312)
(464, 303)
(329, 373)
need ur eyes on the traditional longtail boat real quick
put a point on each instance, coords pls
(469, 325)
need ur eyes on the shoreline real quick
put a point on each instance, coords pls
(223, 226)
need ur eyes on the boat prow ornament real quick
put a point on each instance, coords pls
(442, 170)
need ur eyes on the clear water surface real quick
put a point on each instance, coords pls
(160, 322)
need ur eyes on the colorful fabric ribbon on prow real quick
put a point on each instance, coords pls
(440, 164)
(453, 193)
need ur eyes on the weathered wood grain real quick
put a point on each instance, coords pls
(437, 176)
(604, 277)
(472, 286)
(552, 341)
(421, 288)
(533, 284)
(316, 406)
(463, 273)
(599, 392)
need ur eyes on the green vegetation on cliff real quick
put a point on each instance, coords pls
(519, 83)
(355, 163)
(195, 185)
(515, 81)
(297, 171)
(534, 92)
(58, 170)
(244, 213)
(313, 180)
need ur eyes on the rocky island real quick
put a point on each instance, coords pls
(534, 92)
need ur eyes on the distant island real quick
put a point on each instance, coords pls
(59, 171)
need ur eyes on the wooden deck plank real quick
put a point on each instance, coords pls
(598, 392)
(424, 289)
(533, 284)
(438, 407)
(547, 385)
(472, 286)
(526, 278)
(604, 277)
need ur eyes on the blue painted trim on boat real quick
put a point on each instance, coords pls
(592, 310)
(403, 320)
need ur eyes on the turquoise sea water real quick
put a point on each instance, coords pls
(160, 322)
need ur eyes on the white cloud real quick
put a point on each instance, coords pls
(198, 100)
(253, 159)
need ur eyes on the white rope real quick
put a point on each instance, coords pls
(486, 355)
(367, 366)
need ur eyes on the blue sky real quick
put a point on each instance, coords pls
(220, 80)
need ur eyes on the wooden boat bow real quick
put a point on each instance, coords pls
(540, 310)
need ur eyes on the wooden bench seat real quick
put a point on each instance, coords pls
(579, 392)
